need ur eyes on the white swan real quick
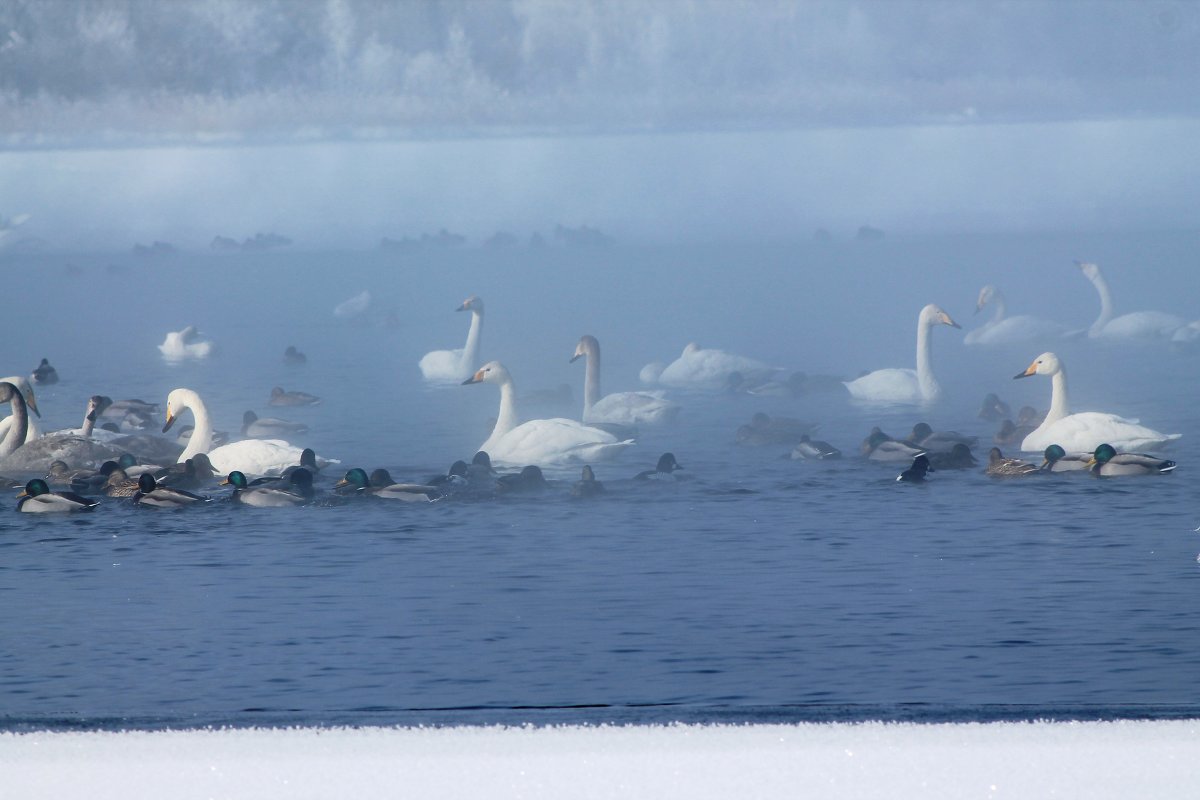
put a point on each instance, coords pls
(906, 385)
(1135, 325)
(75, 446)
(1086, 431)
(32, 430)
(1001, 329)
(184, 344)
(446, 366)
(9, 393)
(622, 408)
(539, 441)
(251, 456)
(698, 368)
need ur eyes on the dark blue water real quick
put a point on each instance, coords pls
(760, 589)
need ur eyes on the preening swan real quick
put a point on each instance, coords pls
(698, 368)
(1001, 329)
(1135, 325)
(622, 408)
(906, 385)
(250, 456)
(184, 344)
(539, 441)
(1086, 431)
(453, 366)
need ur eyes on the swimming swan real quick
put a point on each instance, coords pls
(906, 385)
(698, 368)
(250, 456)
(453, 366)
(622, 408)
(75, 446)
(539, 441)
(32, 431)
(1086, 431)
(184, 344)
(1135, 325)
(1001, 329)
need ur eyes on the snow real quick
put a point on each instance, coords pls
(829, 760)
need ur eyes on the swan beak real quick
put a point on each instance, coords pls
(170, 421)
(948, 321)
(32, 403)
(1031, 370)
(476, 378)
(574, 357)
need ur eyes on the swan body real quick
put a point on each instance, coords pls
(650, 373)
(253, 456)
(906, 385)
(9, 393)
(454, 366)
(75, 446)
(540, 441)
(1087, 430)
(32, 431)
(185, 344)
(620, 408)
(1135, 325)
(698, 368)
(1002, 329)
(38, 499)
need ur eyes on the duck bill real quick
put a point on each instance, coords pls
(23, 494)
(170, 421)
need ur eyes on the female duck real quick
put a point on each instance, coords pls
(1001, 467)
(38, 499)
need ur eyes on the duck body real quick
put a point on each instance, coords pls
(587, 485)
(664, 470)
(917, 472)
(1084, 431)
(150, 494)
(38, 499)
(281, 397)
(1001, 467)
(299, 491)
(380, 484)
(1056, 459)
(878, 446)
(256, 427)
(900, 385)
(540, 441)
(931, 441)
(957, 457)
(814, 450)
(1107, 462)
(455, 366)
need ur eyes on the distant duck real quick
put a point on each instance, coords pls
(1136, 325)
(957, 457)
(256, 427)
(1107, 462)
(193, 473)
(149, 493)
(931, 441)
(185, 344)
(44, 374)
(299, 491)
(1001, 329)
(380, 484)
(663, 471)
(878, 446)
(118, 484)
(994, 409)
(38, 499)
(1012, 434)
(587, 485)
(294, 357)
(906, 385)
(454, 479)
(480, 468)
(529, 479)
(916, 473)
(455, 366)
(279, 397)
(1001, 467)
(816, 450)
(622, 408)
(766, 430)
(1056, 459)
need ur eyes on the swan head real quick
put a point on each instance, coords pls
(96, 406)
(986, 295)
(1090, 270)
(26, 390)
(491, 372)
(691, 348)
(932, 315)
(472, 303)
(1045, 364)
(177, 403)
(586, 347)
(8, 392)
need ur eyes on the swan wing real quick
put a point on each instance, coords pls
(633, 408)
(444, 366)
(258, 457)
(553, 441)
(1085, 431)
(895, 385)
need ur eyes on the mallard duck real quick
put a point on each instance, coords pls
(931, 441)
(380, 484)
(293, 356)
(959, 457)
(149, 493)
(256, 427)
(663, 471)
(279, 397)
(878, 446)
(1106, 461)
(298, 493)
(994, 408)
(44, 373)
(529, 479)
(587, 485)
(807, 448)
(916, 473)
(1057, 459)
(1002, 467)
(38, 499)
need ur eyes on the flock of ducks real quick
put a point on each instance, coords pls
(264, 469)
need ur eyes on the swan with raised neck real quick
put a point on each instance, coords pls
(455, 365)
(906, 385)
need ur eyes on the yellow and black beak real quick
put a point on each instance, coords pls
(1030, 370)
(170, 421)
(476, 378)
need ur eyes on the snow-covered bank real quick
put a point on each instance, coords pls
(1015, 760)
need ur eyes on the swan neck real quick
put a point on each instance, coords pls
(1059, 402)
(929, 385)
(1001, 309)
(506, 418)
(470, 356)
(1106, 309)
(19, 427)
(202, 434)
(591, 381)
(89, 424)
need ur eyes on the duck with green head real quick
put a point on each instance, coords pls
(37, 498)
(1056, 459)
(298, 492)
(1107, 462)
